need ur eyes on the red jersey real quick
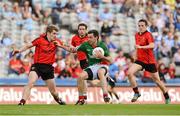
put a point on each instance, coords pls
(76, 40)
(145, 55)
(44, 50)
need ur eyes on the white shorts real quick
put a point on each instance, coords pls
(93, 71)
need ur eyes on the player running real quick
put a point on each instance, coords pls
(145, 60)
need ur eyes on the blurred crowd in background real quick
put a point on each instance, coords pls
(21, 21)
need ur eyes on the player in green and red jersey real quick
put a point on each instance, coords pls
(94, 67)
(145, 60)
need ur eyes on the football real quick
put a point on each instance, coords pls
(97, 49)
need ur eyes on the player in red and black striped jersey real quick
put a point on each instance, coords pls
(81, 36)
(145, 60)
(44, 57)
(76, 41)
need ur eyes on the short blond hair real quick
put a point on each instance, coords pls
(51, 28)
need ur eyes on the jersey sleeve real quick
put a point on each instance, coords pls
(36, 42)
(150, 38)
(73, 43)
(81, 55)
(60, 42)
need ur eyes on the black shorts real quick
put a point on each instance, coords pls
(148, 67)
(45, 71)
(111, 83)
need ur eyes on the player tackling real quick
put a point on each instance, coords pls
(44, 57)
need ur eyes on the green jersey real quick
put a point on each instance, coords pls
(88, 49)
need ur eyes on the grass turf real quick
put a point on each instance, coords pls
(91, 109)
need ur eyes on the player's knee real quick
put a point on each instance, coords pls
(83, 76)
(101, 71)
(129, 73)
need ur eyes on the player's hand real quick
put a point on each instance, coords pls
(72, 49)
(56, 43)
(138, 46)
(15, 52)
(99, 54)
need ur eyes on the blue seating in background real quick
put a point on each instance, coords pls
(73, 82)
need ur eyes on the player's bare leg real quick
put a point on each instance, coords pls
(115, 94)
(82, 88)
(160, 84)
(104, 85)
(132, 79)
(27, 89)
(52, 88)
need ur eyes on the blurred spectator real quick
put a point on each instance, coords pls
(115, 29)
(163, 72)
(176, 45)
(120, 75)
(28, 23)
(6, 40)
(57, 5)
(37, 13)
(159, 21)
(106, 15)
(176, 57)
(26, 65)
(55, 17)
(164, 49)
(177, 17)
(105, 29)
(15, 66)
(171, 71)
(47, 17)
(16, 14)
(66, 72)
(83, 15)
(118, 1)
(120, 58)
(6, 12)
(76, 69)
(169, 40)
(154, 29)
(69, 6)
(95, 3)
(26, 10)
(112, 48)
(146, 78)
(113, 70)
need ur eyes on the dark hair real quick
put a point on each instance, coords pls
(82, 24)
(94, 32)
(143, 20)
(50, 28)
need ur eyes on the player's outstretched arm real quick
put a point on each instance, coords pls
(65, 47)
(24, 48)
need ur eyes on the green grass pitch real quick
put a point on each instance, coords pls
(91, 109)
